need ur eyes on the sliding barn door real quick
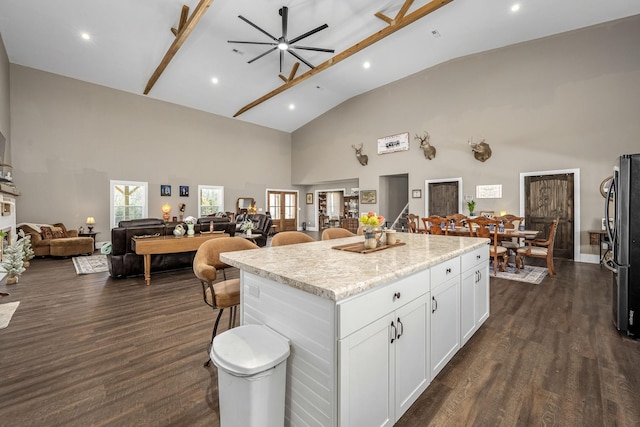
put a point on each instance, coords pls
(548, 197)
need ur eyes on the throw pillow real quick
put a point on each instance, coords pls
(63, 228)
(46, 232)
(57, 232)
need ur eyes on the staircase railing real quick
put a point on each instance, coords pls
(404, 211)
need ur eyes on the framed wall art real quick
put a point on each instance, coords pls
(393, 143)
(309, 198)
(165, 190)
(368, 196)
(416, 194)
(184, 191)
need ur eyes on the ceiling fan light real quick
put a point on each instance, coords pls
(283, 46)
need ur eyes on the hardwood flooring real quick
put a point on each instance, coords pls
(92, 350)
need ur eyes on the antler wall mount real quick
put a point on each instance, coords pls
(481, 150)
(427, 148)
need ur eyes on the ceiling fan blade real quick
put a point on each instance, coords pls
(260, 56)
(307, 34)
(284, 12)
(317, 49)
(301, 59)
(256, 27)
(264, 43)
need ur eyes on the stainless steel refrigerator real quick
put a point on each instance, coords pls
(624, 235)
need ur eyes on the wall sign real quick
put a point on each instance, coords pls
(393, 143)
(489, 191)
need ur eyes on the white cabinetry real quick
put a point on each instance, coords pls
(445, 313)
(474, 298)
(384, 365)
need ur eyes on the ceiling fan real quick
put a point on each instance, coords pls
(282, 43)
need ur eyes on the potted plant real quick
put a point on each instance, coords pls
(246, 226)
(13, 262)
(471, 204)
(27, 249)
(190, 221)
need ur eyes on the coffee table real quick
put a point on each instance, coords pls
(148, 246)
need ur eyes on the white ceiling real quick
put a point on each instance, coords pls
(130, 38)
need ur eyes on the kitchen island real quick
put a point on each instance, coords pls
(368, 331)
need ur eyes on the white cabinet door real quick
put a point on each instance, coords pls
(365, 379)
(482, 294)
(411, 353)
(445, 324)
(468, 316)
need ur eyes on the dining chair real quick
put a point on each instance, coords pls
(483, 230)
(459, 220)
(540, 249)
(433, 225)
(413, 223)
(511, 222)
(336, 233)
(225, 293)
(284, 238)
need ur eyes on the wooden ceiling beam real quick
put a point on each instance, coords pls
(394, 25)
(184, 30)
(183, 20)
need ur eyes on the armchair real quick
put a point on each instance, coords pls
(540, 249)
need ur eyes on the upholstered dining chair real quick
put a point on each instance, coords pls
(459, 220)
(510, 222)
(284, 238)
(479, 227)
(336, 233)
(413, 223)
(223, 293)
(540, 249)
(433, 225)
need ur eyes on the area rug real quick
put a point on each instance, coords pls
(90, 264)
(6, 311)
(529, 274)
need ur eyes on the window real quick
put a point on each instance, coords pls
(129, 200)
(210, 199)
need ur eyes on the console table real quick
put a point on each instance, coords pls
(168, 245)
(600, 238)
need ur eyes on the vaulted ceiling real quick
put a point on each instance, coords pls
(129, 39)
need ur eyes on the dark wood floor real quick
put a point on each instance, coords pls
(91, 350)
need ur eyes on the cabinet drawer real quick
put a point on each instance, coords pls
(360, 310)
(444, 271)
(475, 257)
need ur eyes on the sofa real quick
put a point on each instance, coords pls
(55, 240)
(261, 226)
(124, 262)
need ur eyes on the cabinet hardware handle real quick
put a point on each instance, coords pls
(396, 296)
(448, 270)
(433, 300)
(401, 326)
(478, 257)
(394, 335)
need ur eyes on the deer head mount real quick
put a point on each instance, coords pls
(428, 149)
(481, 150)
(362, 158)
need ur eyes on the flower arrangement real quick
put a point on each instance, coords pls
(371, 220)
(247, 225)
(190, 220)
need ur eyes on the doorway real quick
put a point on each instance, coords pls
(547, 195)
(283, 206)
(443, 197)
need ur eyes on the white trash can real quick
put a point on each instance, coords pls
(251, 361)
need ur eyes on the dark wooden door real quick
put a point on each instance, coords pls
(283, 206)
(548, 197)
(443, 198)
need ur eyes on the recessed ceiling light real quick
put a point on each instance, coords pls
(292, 107)
(515, 7)
(85, 36)
(214, 80)
(366, 65)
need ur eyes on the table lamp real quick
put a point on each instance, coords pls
(166, 210)
(90, 222)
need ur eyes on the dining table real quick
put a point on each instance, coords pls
(508, 233)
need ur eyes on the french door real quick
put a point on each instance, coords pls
(283, 206)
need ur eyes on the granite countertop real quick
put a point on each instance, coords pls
(316, 268)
